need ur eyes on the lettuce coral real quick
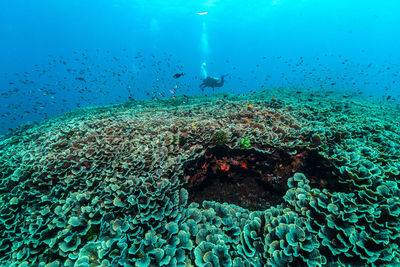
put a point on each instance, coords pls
(107, 186)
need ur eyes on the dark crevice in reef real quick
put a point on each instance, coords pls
(251, 179)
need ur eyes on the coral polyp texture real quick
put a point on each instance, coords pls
(289, 180)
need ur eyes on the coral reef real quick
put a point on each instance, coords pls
(289, 180)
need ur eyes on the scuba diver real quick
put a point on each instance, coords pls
(209, 81)
(212, 82)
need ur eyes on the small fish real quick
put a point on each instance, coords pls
(80, 79)
(178, 75)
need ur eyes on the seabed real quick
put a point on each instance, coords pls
(275, 178)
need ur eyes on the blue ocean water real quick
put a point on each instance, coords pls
(57, 56)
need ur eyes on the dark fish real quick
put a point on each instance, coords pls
(80, 79)
(177, 75)
(387, 98)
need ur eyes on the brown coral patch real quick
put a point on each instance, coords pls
(251, 179)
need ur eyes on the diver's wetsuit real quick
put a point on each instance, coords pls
(212, 82)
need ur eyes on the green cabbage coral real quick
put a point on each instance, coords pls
(245, 143)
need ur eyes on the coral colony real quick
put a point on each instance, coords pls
(270, 179)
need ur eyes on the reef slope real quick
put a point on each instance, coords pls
(274, 178)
